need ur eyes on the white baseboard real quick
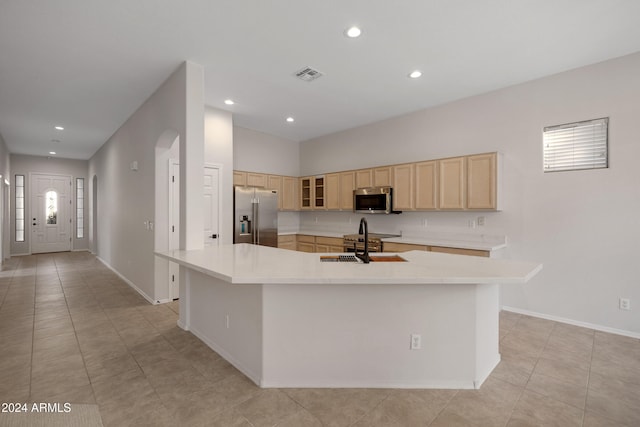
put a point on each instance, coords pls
(478, 382)
(130, 283)
(438, 385)
(573, 322)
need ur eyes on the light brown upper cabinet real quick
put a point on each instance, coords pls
(482, 181)
(426, 185)
(256, 179)
(239, 178)
(458, 183)
(338, 188)
(289, 193)
(403, 187)
(452, 183)
(364, 178)
(332, 191)
(274, 182)
(347, 185)
(306, 193)
(382, 176)
(318, 192)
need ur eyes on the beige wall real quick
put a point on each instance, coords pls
(259, 152)
(581, 225)
(125, 197)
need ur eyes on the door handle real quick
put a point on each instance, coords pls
(214, 236)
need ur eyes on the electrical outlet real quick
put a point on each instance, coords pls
(424, 222)
(624, 304)
(416, 342)
(472, 223)
(480, 221)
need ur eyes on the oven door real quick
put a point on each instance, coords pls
(348, 247)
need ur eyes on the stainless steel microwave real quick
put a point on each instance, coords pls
(373, 200)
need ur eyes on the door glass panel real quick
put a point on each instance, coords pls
(52, 207)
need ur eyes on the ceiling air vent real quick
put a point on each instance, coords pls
(308, 74)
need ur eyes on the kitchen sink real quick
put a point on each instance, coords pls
(339, 258)
(386, 258)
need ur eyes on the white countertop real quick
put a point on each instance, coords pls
(251, 264)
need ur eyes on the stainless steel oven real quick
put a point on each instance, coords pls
(351, 242)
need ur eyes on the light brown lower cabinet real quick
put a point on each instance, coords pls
(287, 242)
(328, 244)
(306, 243)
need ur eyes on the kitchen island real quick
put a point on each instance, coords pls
(286, 319)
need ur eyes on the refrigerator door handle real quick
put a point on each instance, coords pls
(255, 236)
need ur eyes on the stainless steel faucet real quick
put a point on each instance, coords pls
(364, 228)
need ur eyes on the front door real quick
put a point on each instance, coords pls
(50, 213)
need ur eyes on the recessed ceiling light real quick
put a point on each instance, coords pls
(415, 74)
(353, 32)
(52, 152)
(290, 119)
(59, 128)
(229, 101)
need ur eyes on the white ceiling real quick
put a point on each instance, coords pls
(88, 65)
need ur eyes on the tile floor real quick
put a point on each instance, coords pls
(72, 331)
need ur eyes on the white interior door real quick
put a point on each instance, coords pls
(174, 227)
(50, 213)
(211, 204)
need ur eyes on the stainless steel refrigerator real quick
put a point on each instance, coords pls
(255, 216)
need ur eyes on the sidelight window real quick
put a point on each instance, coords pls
(79, 208)
(19, 196)
(576, 146)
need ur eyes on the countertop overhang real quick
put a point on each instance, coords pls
(252, 264)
